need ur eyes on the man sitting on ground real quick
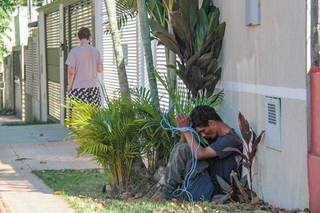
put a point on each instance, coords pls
(213, 160)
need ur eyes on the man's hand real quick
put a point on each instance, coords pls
(202, 152)
(69, 88)
(182, 121)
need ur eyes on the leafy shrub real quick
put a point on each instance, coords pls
(158, 141)
(197, 40)
(111, 135)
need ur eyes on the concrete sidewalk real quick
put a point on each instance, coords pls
(32, 133)
(20, 190)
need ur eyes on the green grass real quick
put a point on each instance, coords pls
(82, 190)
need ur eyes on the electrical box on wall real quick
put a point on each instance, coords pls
(273, 122)
(253, 12)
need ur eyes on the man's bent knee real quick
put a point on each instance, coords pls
(182, 148)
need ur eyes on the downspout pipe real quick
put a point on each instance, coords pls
(314, 152)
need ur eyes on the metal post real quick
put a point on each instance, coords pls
(43, 67)
(62, 73)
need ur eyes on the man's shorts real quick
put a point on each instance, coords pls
(89, 95)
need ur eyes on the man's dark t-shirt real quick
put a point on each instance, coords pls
(225, 162)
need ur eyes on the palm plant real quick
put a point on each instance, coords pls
(197, 41)
(158, 141)
(110, 135)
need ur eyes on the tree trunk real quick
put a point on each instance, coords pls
(145, 35)
(115, 35)
(171, 60)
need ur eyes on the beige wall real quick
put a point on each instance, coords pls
(272, 53)
(270, 60)
(280, 176)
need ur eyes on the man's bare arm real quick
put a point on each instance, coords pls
(100, 68)
(71, 73)
(202, 152)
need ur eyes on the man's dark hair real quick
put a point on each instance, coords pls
(84, 33)
(200, 116)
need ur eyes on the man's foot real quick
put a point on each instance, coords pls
(166, 194)
(161, 194)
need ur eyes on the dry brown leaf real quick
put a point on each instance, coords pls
(255, 200)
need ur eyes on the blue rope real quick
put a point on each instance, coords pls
(165, 124)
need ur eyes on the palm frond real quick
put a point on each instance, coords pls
(125, 10)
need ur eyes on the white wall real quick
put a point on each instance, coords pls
(22, 13)
(270, 60)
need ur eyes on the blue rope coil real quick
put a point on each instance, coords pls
(165, 124)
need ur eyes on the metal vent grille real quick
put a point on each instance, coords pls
(273, 122)
(272, 117)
